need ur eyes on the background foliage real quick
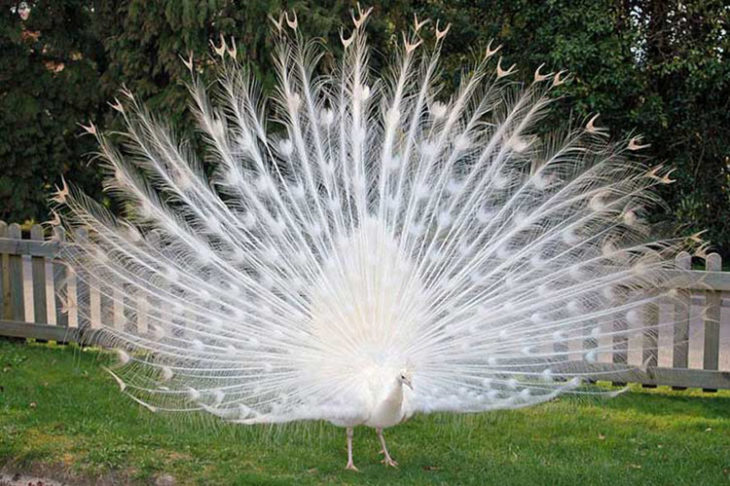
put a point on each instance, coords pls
(656, 67)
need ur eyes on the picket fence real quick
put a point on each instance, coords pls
(694, 352)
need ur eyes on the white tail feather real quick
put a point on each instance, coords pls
(381, 228)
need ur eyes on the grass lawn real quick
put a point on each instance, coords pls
(62, 414)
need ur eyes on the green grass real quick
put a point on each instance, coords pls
(61, 412)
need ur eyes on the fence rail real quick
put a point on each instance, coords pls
(694, 352)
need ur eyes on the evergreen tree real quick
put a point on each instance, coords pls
(656, 67)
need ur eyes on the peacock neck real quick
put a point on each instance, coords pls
(395, 394)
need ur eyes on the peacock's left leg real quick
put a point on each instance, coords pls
(387, 460)
(350, 464)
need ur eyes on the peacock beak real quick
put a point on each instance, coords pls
(407, 382)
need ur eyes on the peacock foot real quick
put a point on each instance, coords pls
(388, 461)
(351, 467)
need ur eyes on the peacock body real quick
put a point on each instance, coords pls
(384, 250)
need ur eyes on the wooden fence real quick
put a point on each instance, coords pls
(694, 352)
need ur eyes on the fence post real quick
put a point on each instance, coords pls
(17, 311)
(94, 303)
(118, 316)
(59, 282)
(5, 312)
(680, 354)
(650, 344)
(589, 342)
(106, 304)
(38, 266)
(83, 314)
(711, 319)
(154, 305)
(142, 313)
(620, 339)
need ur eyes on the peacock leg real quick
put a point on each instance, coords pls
(387, 460)
(350, 464)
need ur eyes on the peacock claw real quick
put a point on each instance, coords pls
(351, 467)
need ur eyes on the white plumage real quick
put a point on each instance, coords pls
(382, 236)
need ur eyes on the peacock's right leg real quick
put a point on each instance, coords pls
(387, 460)
(350, 464)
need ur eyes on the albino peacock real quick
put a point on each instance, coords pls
(384, 250)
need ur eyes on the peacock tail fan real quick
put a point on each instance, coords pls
(379, 225)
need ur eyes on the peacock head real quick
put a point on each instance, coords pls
(404, 378)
